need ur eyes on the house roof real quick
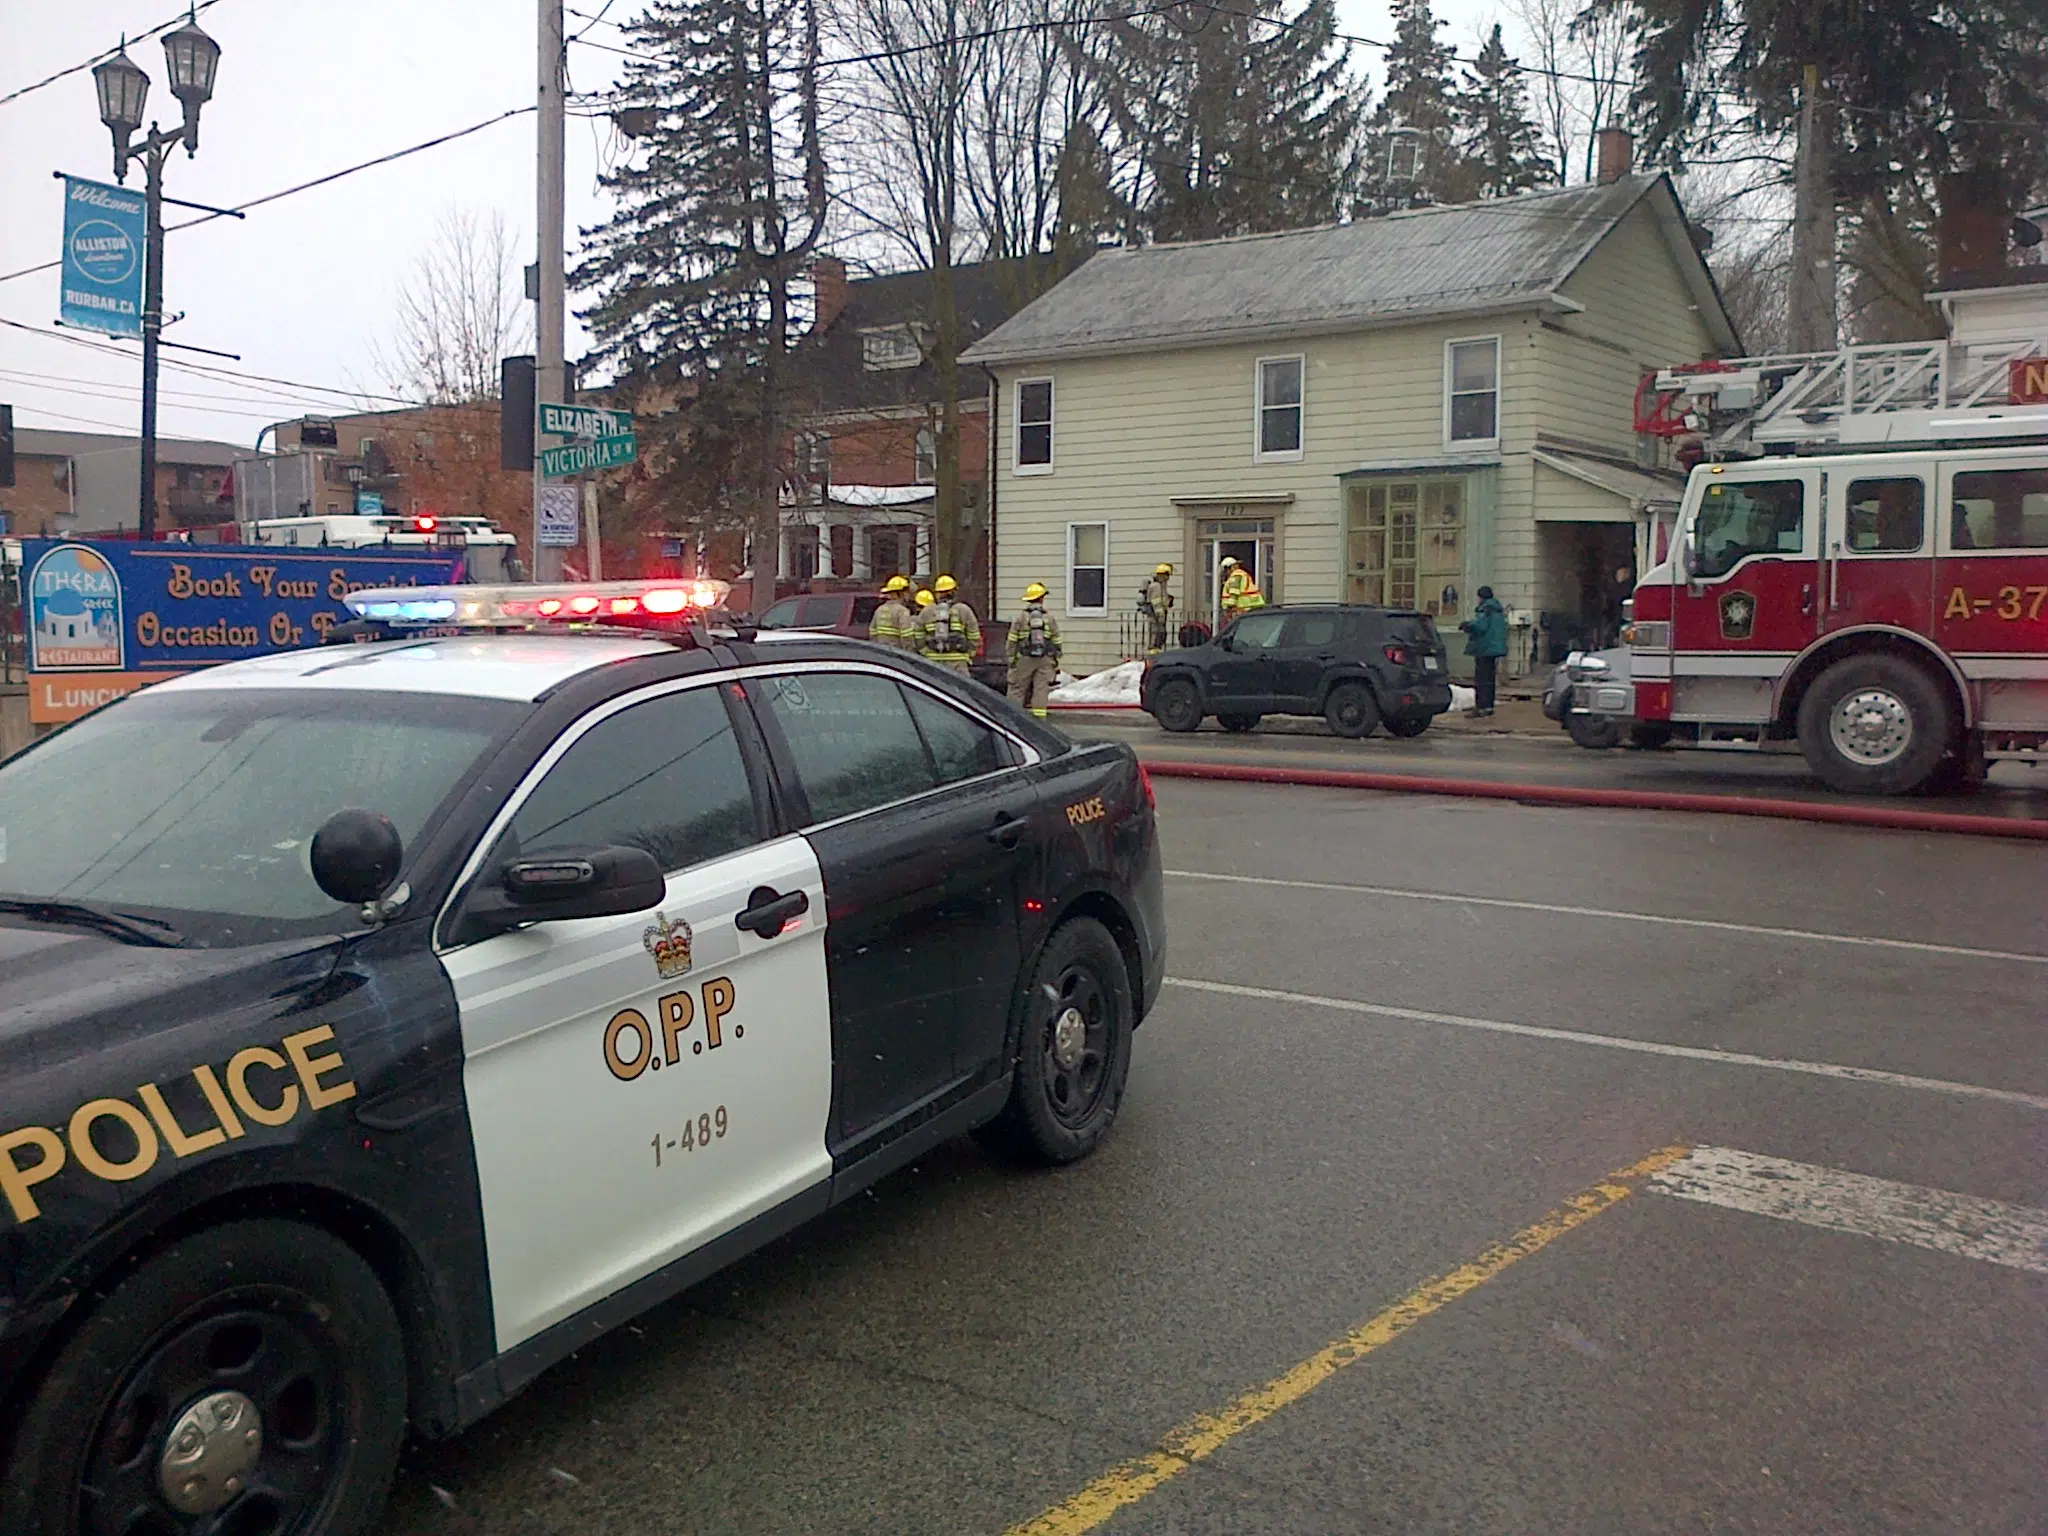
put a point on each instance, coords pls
(1465, 258)
(1638, 487)
(987, 294)
(51, 443)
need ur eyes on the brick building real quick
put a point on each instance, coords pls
(88, 482)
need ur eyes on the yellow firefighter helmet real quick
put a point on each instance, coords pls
(1034, 592)
(944, 585)
(895, 585)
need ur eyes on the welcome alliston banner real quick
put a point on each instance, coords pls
(104, 233)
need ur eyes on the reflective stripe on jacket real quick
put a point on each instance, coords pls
(1241, 593)
(894, 625)
(948, 632)
(1035, 634)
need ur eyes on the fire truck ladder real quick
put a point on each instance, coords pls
(1893, 393)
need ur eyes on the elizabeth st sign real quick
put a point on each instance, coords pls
(605, 439)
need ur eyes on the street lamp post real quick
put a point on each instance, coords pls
(191, 58)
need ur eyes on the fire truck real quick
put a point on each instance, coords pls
(1859, 569)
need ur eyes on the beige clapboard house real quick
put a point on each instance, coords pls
(1396, 410)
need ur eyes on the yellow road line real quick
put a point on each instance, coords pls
(1208, 1433)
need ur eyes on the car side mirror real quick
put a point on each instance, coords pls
(355, 856)
(1224, 642)
(565, 883)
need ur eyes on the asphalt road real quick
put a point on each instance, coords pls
(1396, 1090)
(2013, 789)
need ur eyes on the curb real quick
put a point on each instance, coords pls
(1886, 817)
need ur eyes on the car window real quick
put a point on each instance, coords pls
(864, 608)
(780, 615)
(1257, 631)
(666, 776)
(817, 613)
(852, 739)
(961, 747)
(1756, 517)
(1313, 631)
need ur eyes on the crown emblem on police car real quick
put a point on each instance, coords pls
(669, 943)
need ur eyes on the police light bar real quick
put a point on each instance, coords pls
(533, 606)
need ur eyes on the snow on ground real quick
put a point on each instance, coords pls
(1117, 685)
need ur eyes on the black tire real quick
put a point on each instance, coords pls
(1237, 725)
(1178, 705)
(281, 1313)
(1070, 1073)
(1653, 737)
(1596, 733)
(1352, 711)
(1876, 725)
(1407, 727)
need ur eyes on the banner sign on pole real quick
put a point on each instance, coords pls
(584, 421)
(104, 231)
(560, 517)
(107, 617)
(597, 453)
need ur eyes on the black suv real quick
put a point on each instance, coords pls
(1354, 665)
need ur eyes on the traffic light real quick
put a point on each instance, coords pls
(515, 413)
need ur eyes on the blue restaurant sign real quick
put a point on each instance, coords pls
(104, 231)
(107, 617)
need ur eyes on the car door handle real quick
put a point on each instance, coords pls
(768, 912)
(1327, 656)
(1806, 599)
(1007, 832)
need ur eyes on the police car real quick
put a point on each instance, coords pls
(379, 1023)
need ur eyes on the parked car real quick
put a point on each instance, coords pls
(1590, 696)
(1357, 666)
(850, 614)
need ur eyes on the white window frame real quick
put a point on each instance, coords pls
(1473, 444)
(1017, 464)
(1074, 611)
(1300, 408)
(889, 349)
(924, 456)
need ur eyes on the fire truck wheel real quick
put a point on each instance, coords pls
(1876, 725)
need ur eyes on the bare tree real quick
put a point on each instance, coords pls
(1579, 76)
(458, 311)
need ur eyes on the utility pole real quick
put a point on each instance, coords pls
(549, 366)
(1810, 308)
(152, 328)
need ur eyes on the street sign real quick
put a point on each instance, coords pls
(104, 235)
(598, 453)
(369, 503)
(585, 421)
(560, 517)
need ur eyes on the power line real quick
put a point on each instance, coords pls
(317, 181)
(62, 74)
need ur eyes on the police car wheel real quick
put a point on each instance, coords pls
(1177, 705)
(249, 1379)
(1238, 724)
(1073, 1053)
(1596, 733)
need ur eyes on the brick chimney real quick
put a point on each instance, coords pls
(1616, 148)
(828, 278)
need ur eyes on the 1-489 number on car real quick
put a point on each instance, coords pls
(696, 1134)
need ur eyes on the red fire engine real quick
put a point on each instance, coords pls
(1860, 570)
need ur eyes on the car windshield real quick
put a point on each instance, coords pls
(199, 807)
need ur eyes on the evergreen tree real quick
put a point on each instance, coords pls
(1239, 118)
(1497, 139)
(694, 271)
(1412, 153)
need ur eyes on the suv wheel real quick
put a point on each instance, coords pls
(1238, 724)
(1073, 1053)
(1352, 711)
(248, 1378)
(1177, 706)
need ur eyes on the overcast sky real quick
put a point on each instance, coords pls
(301, 288)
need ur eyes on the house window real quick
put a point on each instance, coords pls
(1472, 392)
(927, 451)
(1088, 568)
(1407, 545)
(888, 347)
(1034, 426)
(1279, 407)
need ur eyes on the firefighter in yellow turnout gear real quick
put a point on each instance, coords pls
(1155, 602)
(894, 625)
(1241, 594)
(947, 631)
(1034, 653)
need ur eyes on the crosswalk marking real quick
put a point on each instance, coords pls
(1963, 1225)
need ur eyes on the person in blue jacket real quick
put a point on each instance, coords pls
(1486, 641)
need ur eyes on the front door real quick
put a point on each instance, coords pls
(1750, 598)
(1880, 566)
(638, 1085)
(1241, 679)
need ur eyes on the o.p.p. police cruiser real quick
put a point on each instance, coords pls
(381, 1022)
